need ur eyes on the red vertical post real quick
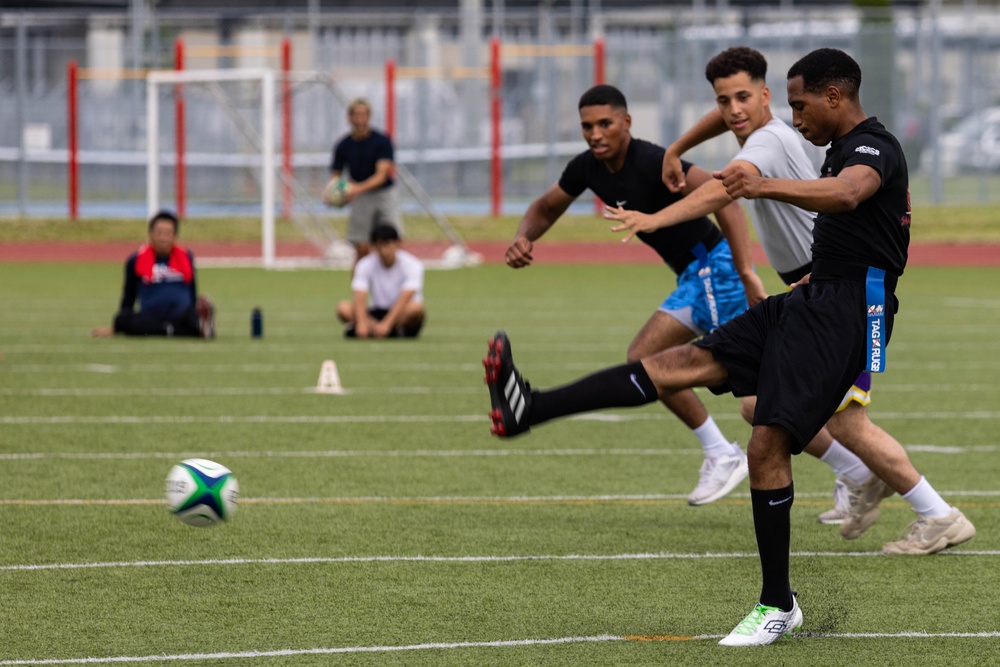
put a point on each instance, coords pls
(390, 97)
(598, 80)
(179, 129)
(496, 164)
(286, 128)
(599, 57)
(72, 161)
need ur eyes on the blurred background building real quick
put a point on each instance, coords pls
(931, 73)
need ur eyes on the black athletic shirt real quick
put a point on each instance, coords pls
(638, 186)
(877, 232)
(360, 157)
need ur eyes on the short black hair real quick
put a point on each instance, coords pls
(164, 214)
(735, 60)
(828, 67)
(603, 95)
(384, 233)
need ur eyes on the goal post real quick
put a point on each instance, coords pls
(234, 122)
(265, 78)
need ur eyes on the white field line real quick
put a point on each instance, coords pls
(439, 646)
(414, 453)
(238, 391)
(246, 419)
(348, 453)
(647, 498)
(451, 347)
(445, 500)
(417, 367)
(293, 391)
(460, 559)
(12, 420)
(423, 367)
(395, 368)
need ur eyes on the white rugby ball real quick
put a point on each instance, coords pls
(335, 193)
(201, 492)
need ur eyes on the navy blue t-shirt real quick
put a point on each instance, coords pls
(638, 186)
(877, 232)
(360, 157)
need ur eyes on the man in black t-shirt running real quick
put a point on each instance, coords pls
(711, 271)
(798, 351)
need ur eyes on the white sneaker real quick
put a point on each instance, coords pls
(863, 505)
(929, 536)
(765, 625)
(836, 515)
(718, 476)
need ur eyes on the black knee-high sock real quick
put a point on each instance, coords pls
(623, 386)
(772, 524)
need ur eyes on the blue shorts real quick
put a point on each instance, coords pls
(709, 291)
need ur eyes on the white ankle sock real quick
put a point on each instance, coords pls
(925, 501)
(713, 443)
(846, 463)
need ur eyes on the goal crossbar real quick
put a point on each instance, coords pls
(267, 184)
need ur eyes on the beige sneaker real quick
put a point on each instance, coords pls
(836, 516)
(862, 505)
(929, 536)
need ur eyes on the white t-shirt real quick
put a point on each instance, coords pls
(785, 231)
(383, 283)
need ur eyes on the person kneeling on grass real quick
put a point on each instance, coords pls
(160, 275)
(393, 279)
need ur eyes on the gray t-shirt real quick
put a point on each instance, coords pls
(785, 231)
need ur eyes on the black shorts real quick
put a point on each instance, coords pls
(798, 352)
(410, 331)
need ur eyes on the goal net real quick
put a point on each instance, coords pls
(212, 143)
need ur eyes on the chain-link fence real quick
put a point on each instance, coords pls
(931, 74)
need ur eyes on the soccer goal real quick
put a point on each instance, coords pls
(224, 163)
(264, 79)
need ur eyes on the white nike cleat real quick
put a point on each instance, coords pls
(765, 625)
(718, 476)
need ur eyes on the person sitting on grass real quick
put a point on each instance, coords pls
(393, 280)
(160, 275)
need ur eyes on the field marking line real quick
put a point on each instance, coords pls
(415, 367)
(59, 392)
(11, 420)
(340, 560)
(416, 453)
(507, 643)
(348, 453)
(805, 499)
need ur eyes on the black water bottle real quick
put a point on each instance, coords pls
(256, 323)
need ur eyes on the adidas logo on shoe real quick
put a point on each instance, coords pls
(510, 396)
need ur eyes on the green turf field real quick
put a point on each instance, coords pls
(387, 527)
